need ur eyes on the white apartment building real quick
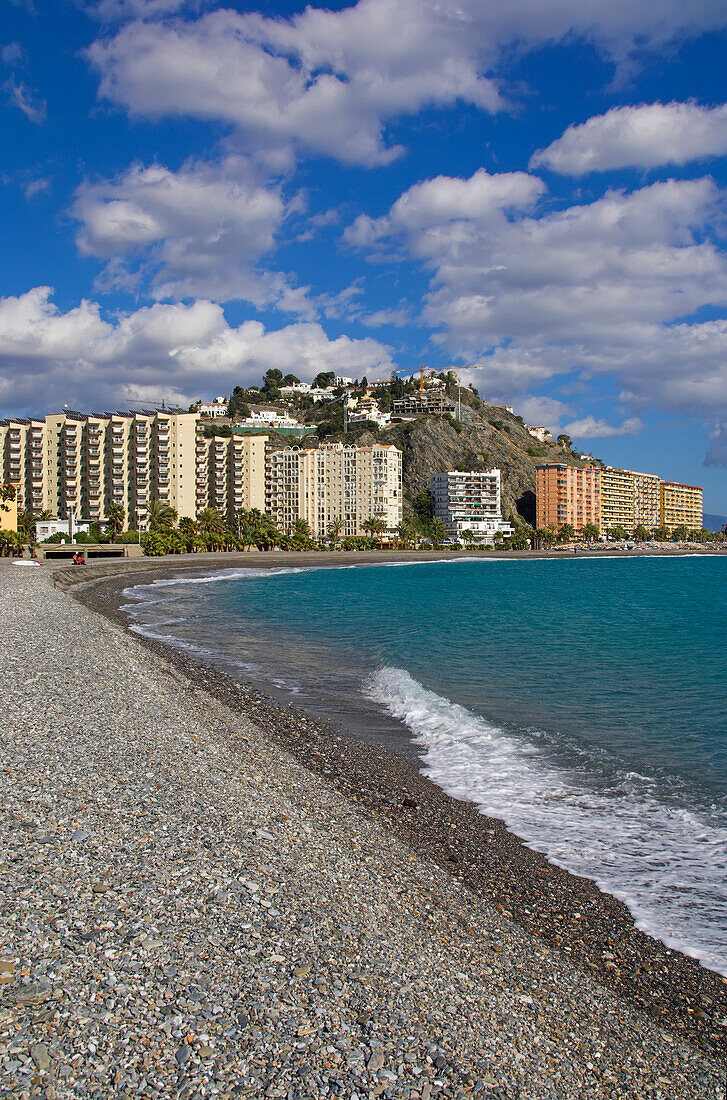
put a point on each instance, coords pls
(334, 482)
(469, 502)
(269, 418)
(211, 410)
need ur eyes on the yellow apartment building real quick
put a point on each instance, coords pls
(334, 482)
(617, 499)
(647, 500)
(230, 473)
(681, 506)
(80, 464)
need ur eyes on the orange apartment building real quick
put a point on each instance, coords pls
(613, 498)
(567, 494)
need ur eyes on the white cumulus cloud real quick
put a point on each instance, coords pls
(591, 427)
(329, 81)
(48, 357)
(642, 137)
(196, 232)
(607, 285)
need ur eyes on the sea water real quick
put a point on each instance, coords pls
(582, 701)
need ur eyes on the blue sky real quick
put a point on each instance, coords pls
(532, 193)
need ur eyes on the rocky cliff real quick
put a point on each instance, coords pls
(486, 437)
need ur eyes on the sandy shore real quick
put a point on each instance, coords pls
(191, 911)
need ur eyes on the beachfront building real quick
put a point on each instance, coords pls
(229, 474)
(22, 461)
(567, 494)
(612, 498)
(334, 482)
(617, 499)
(647, 501)
(468, 502)
(79, 464)
(681, 506)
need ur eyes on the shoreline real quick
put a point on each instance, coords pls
(592, 929)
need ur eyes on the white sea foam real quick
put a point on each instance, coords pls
(142, 591)
(667, 863)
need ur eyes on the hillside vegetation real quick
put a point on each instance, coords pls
(486, 437)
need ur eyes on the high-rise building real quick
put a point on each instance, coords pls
(612, 498)
(73, 463)
(681, 506)
(468, 502)
(618, 499)
(230, 473)
(334, 482)
(567, 494)
(647, 501)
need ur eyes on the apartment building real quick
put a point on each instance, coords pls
(334, 482)
(22, 461)
(468, 502)
(567, 494)
(79, 464)
(647, 501)
(681, 506)
(618, 500)
(433, 402)
(613, 498)
(229, 473)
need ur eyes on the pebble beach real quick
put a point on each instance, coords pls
(188, 910)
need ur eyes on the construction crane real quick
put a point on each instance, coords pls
(421, 368)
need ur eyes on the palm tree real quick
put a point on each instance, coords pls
(188, 526)
(405, 532)
(302, 529)
(211, 522)
(334, 531)
(27, 520)
(591, 531)
(566, 533)
(162, 516)
(374, 526)
(115, 520)
(439, 530)
(546, 535)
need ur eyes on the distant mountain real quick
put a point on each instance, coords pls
(714, 523)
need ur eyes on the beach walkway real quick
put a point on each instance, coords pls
(187, 912)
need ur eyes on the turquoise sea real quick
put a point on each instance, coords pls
(584, 702)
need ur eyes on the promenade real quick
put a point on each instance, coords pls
(187, 912)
